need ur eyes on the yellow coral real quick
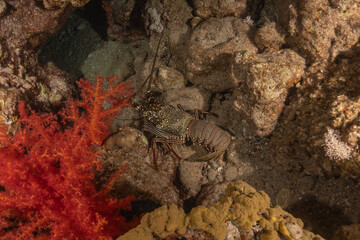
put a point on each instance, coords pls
(211, 219)
(240, 203)
(163, 221)
(270, 235)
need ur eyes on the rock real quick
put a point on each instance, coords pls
(155, 24)
(211, 46)
(169, 78)
(189, 98)
(116, 59)
(121, 11)
(219, 8)
(270, 36)
(176, 14)
(222, 110)
(129, 146)
(211, 174)
(282, 197)
(262, 82)
(232, 232)
(210, 193)
(230, 173)
(3, 8)
(125, 138)
(58, 88)
(191, 176)
(51, 4)
(321, 123)
(9, 98)
(320, 29)
(348, 232)
(295, 230)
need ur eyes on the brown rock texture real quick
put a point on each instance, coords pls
(323, 118)
(262, 82)
(320, 29)
(218, 8)
(211, 47)
(129, 146)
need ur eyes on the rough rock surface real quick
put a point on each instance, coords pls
(116, 60)
(3, 7)
(211, 47)
(18, 33)
(324, 119)
(190, 98)
(191, 176)
(270, 36)
(22, 33)
(348, 232)
(170, 78)
(320, 29)
(129, 146)
(50, 4)
(262, 82)
(118, 13)
(175, 15)
(219, 9)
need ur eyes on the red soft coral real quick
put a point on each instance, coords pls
(47, 170)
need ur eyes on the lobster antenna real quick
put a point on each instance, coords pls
(149, 78)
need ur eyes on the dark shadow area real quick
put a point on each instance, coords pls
(71, 45)
(139, 208)
(136, 21)
(254, 8)
(94, 13)
(319, 217)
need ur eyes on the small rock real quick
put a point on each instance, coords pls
(170, 78)
(191, 176)
(210, 193)
(155, 20)
(268, 36)
(2, 8)
(126, 138)
(232, 232)
(211, 174)
(295, 230)
(189, 98)
(283, 196)
(348, 232)
(121, 11)
(230, 173)
(195, 21)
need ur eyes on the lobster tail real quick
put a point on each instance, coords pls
(210, 136)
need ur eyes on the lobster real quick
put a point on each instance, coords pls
(173, 125)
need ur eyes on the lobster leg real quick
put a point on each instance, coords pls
(167, 143)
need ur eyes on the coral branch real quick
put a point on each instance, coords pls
(47, 170)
